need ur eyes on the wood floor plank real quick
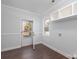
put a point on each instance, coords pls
(41, 52)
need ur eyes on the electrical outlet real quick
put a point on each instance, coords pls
(59, 34)
(53, 1)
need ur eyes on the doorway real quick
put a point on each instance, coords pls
(26, 33)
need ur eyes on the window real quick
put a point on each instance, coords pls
(46, 27)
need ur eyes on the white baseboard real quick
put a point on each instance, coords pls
(57, 50)
(11, 48)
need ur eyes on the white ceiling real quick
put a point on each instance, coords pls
(37, 6)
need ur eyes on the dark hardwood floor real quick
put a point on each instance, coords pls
(41, 52)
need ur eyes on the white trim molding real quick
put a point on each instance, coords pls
(57, 50)
(11, 48)
(22, 10)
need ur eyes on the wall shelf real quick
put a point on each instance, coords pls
(72, 17)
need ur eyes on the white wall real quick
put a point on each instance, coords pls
(67, 43)
(11, 27)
